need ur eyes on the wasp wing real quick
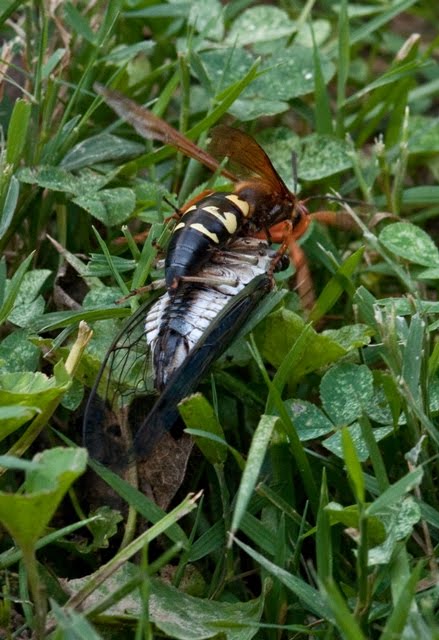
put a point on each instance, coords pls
(247, 157)
(151, 127)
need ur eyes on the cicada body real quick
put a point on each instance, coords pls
(170, 347)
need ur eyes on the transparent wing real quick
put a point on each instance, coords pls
(120, 396)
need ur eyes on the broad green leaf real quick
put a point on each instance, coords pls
(24, 314)
(103, 527)
(403, 516)
(31, 286)
(58, 179)
(28, 389)
(349, 518)
(151, 194)
(423, 134)
(289, 73)
(17, 131)
(309, 421)
(351, 336)
(74, 395)
(197, 413)
(17, 353)
(385, 404)
(177, 614)
(109, 206)
(410, 242)
(278, 332)
(345, 391)
(225, 66)
(321, 156)
(322, 30)
(283, 76)
(12, 417)
(334, 443)
(246, 109)
(259, 24)
(100, 148)
(206, 17)
(255, 458)
(27, 514)
(386, 501)
(429, 274)
(318, 155)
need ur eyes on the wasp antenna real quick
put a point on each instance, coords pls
(172, 205)
(339, 199)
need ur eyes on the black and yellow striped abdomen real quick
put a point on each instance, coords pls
(206, 226)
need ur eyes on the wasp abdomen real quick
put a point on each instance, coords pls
(208, 225)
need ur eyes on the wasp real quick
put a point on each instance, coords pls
(260, 199)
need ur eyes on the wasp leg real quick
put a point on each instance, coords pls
(339, 219)
(209, 280)
(157, 284)
(304, 283)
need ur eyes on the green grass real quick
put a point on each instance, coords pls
(317, 439)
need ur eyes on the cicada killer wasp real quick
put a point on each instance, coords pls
(260, 198)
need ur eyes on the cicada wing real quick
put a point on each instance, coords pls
(116, 405)
(186, 378)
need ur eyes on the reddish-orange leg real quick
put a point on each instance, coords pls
(287, 237)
